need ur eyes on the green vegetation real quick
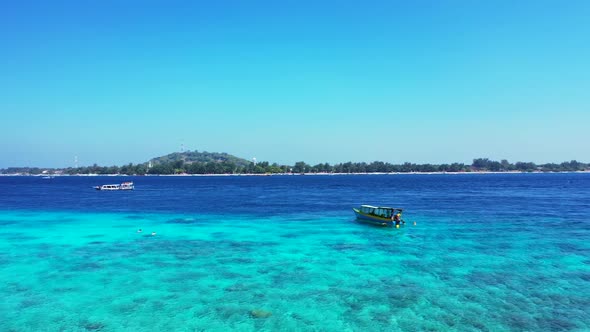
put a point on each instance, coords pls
(190, 157)
(194, 162)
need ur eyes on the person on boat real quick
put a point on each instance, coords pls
(397, 218)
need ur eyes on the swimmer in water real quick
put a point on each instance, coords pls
(139, 230)
(153, 233)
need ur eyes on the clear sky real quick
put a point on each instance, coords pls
(114, 82)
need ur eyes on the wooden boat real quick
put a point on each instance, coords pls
(378, 215)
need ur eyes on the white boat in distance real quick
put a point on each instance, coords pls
(122, 186)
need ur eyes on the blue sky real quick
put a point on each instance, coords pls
(114, 82)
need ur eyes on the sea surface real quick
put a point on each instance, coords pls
(493, 252)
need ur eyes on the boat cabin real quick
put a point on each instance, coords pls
(109, 187)
(127, 186)
(383, 212)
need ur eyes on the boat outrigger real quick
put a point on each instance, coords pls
(378, 215)
(122, 186)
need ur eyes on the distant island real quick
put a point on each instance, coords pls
(195, 162)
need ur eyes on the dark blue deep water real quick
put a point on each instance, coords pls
(489, 252)
(495, 195)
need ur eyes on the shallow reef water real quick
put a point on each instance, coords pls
(496, 252)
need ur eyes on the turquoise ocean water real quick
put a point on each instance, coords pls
(487, 253)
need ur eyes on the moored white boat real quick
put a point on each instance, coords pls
(122, 186)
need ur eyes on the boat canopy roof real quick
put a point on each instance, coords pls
(381, 207)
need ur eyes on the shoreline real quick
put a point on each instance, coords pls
(293, 174)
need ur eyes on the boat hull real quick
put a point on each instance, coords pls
(371, 219)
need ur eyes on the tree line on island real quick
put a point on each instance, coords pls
(194, 162)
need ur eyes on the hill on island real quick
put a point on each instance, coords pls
(190, 157)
